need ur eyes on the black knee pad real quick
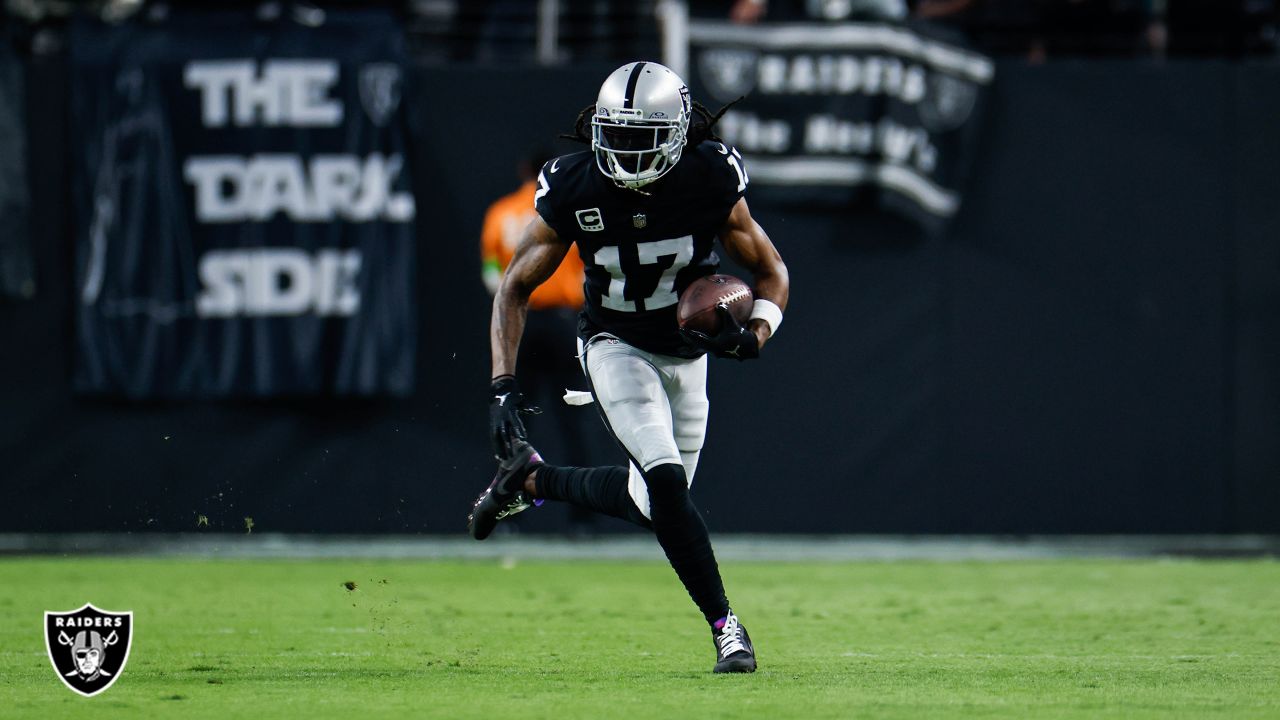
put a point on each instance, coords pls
(667, 485)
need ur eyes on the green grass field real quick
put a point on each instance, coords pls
(285, 639)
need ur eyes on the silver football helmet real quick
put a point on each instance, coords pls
(641, 122)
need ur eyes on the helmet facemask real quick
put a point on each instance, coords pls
(634, 150)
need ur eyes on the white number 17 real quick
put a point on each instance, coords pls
(650, 253)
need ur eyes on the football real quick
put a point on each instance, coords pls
(697, 309)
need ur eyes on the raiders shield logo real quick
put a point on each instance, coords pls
(380, 91)
(728, 73)
(88, 647)
(947, 103)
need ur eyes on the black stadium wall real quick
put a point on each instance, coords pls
(1092, 348)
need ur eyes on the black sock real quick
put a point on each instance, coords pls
(602, 489)
(680, 529)
(683, 536)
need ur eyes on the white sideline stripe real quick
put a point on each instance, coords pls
(810, 36)
(736, 548)
(852, 172)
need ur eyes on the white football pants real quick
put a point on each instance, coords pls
(655, 405)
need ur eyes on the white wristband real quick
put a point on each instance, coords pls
(768, 312)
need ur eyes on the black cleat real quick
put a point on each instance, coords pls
(505, 496)
(734, 652)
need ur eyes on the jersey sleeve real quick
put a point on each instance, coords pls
(728, 174)
(545, 199)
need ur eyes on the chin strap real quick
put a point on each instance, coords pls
(634, 189)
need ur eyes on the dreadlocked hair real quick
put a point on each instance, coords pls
(701, 125)
(580, 132)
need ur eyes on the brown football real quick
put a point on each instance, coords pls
(697, 308)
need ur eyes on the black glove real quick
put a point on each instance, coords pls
(506, 405)
(733, 340)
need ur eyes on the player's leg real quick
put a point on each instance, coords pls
(659, 417)
(610, 490)
(525, 480)
(686, 386)
(631, 392)
(600, 489)
(505, 495)
(685, 383)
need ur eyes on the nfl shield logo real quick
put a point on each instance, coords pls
(88, 647)
(639, 220)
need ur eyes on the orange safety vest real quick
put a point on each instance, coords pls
(504, 223)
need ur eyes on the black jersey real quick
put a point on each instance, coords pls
(641, 250)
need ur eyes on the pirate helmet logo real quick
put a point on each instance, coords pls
(88, 647)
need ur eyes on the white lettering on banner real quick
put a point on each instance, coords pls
(291, 93)
(903, 145)
(844, 105)
(231, 188)
(278, 282)
(753, 134)
(841, 75)
(827, 134)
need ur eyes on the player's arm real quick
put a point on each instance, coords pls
(749, 246)
(536, 259)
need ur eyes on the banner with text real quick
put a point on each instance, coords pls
(244, 213)
(837, 113)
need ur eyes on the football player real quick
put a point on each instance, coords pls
(644, 207)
